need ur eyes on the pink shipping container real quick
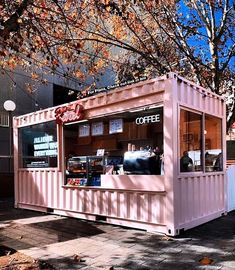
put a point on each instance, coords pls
(150, 155)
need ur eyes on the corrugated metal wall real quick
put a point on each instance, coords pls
(187, 201)
(200, 196)
(42, 188)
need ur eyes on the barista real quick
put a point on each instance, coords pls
(158, 155)
(186, 163)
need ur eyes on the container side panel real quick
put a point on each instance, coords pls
(200, 197)
(41, 188)
(199, 99)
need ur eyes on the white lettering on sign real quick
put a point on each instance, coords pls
(69, 116)
(43, 153)
(40, 146)
(45, 146)
(148, 119)
(47, 138)
(69, 113)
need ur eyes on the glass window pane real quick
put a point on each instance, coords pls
(38, 146)
(190, 141)
(132, 142)
(213, 144)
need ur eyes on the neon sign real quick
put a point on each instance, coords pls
(69, 113)
(148, 119)
(45, 146)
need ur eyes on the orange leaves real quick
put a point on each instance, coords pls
(73, 15)
(55, 62)
(100, 63)
(42, 3)
(37, 42)
(118, 30)
(68, 5)
(79, 74)
(206, 261)
(12, 62)
(61, 50)
(96, 66)
(65, 53)
(29, 88)
(105, 53)
(36, 10)
(59, 32)
(19, 20)
(44, 15)
(34, 76)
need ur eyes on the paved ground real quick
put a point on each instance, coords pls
(100, 246)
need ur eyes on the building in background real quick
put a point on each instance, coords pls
(31, 95)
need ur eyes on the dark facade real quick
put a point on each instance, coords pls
(54, 91)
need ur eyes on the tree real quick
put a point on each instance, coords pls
(83, 38)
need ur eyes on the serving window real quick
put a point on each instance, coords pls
(126, 143)
(193, 156)
(38, 146)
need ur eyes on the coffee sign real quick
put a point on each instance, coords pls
(69, 113)
(148, 119)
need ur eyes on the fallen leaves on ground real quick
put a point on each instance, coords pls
(20, 261)
(78, 258)
(167, 238)
(206, 261)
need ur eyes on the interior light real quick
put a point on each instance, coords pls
(77, 122)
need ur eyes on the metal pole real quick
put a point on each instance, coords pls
(10, 106)
(10, 140)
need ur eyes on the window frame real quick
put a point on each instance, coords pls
(203, 150)
(118, 115)
(178, 143)
(20, 154)
(221, 141)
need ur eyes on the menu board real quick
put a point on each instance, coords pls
(97, 128)
(115, 126)
(100, 152)
(84, 130)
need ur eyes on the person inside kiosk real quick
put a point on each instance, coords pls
(186, 163)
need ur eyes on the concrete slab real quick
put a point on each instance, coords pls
(58, 240)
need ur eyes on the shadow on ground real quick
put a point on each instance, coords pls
(214, 240)
(209, 246)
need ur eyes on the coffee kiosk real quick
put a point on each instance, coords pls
(116, 156)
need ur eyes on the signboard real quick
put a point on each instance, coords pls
(69, 113)
(111, 87)
(100, 152)
(37, 164)
(44, 146)
(84, 130)
(148, 119)
(115, 126)
(97, 128)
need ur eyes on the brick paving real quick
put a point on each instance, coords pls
(57, 239)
